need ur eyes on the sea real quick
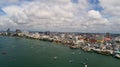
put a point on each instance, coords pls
(23, 52)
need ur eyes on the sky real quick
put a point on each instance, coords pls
(94, 16)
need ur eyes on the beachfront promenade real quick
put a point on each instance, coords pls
(100, 43)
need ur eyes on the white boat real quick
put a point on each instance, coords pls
(55, 57)
(85, 65)
(117, 56)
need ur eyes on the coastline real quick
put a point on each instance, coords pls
(80, 43)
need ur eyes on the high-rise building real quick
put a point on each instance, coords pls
(8, 31)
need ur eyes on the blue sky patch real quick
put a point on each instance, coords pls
(2, 12)
(94, 1)
(95, 5)
(74, 1)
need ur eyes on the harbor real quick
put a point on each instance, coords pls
(24, 52)
(105, 44)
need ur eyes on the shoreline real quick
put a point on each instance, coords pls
(72, 44)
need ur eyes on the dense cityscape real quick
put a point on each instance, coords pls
(104, 43)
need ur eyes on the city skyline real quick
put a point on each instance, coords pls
(61, 15)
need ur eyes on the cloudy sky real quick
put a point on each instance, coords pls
(61, 15)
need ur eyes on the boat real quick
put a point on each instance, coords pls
(74, 46)
(55, 57)
(105, 52)
(85, 65)
(117, 56)
(70, 61)
(86, 48)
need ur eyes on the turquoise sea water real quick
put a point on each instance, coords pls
(22, 52)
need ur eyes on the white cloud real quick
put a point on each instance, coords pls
(56, 15)
(94, 14)
(111, 10)
(112, 6)
(96, 18)
(9, 1)
(5, 23)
